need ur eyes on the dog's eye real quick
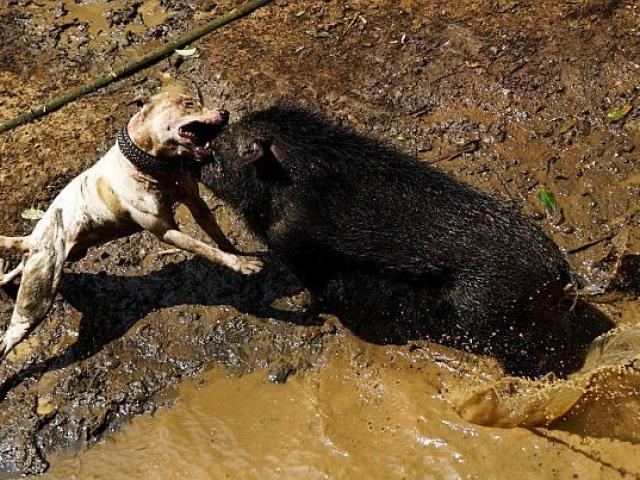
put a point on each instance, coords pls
(189, 103)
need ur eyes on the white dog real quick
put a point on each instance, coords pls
(134, 187)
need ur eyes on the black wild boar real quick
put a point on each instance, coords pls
(334, 204)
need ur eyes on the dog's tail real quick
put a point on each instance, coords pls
(15, 243)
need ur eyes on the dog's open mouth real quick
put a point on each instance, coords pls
(196, 135)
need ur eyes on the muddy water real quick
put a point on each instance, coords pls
(366, 412)
(94, 14)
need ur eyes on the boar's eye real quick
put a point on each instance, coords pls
(252, 152)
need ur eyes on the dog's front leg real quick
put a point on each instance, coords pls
(205, 219)
(40, 277)
(246, 265)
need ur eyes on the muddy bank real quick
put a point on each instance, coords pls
(542, 93)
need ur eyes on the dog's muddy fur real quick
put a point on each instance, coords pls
(117, 197)
(332, 203)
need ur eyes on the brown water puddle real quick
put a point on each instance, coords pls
(366, 412)
(95, 21)
(94, 13)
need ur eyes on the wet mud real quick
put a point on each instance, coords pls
(508, 96)
(366, 411)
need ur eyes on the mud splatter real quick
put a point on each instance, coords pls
(364, 412)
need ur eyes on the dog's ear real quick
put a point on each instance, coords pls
(266, 159)
(139, 101)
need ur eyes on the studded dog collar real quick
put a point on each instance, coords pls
(140, 159)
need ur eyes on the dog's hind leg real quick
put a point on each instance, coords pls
(9, 276)
(18, 243)
(41, 275)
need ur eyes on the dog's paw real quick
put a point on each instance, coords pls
(249, 265)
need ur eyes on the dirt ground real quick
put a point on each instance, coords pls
(507, 95)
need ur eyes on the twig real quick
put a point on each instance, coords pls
(589, 455)
(169, 251)
(470, 147)
(592, 243)
(518, 67)
(131, 67)
(444, 75)
(355, 19)
(418, 112)
(608, 236)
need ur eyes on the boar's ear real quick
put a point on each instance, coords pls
(265, 161)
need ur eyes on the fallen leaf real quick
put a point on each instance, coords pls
(45, 407)
(148, 260)
(547, 199)
(567, 125)
(32, 214)
(187, 52)
(616, 114)
(318, 33)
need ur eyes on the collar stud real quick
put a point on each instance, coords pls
(140, 159)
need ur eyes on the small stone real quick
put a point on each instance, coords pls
(282, 374)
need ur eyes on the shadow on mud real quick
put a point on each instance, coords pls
(380, 311)
(112, 304)
(385, 311)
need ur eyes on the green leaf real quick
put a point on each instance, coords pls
(32, 214)
(547, 199)
(567, 125)
(616, 114)
(187, 52)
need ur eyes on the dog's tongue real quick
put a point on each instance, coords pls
(199, 132)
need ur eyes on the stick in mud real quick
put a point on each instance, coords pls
(131, 67)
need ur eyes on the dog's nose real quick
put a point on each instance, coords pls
(224, 115)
